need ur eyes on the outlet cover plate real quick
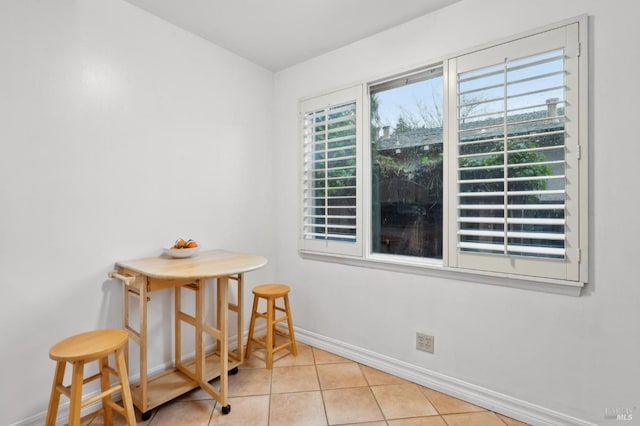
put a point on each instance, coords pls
(424, 342)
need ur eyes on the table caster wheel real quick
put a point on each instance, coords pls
(226, 409)
(233, 371)
(146, 416)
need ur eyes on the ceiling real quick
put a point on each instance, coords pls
(279, 33)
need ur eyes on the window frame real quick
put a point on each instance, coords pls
(446, 268)
(438, 68)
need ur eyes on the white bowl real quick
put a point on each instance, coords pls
(181, 253)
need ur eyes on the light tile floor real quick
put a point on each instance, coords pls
(318, 388)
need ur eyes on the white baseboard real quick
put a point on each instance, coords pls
(486, 398)
(500, 403)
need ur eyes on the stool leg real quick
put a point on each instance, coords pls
(105, 385)
(127, 402)
(270, 326)
(76, 393)
(292, 337)
(54, 400)
(252, 326)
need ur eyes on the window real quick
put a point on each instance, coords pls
(476, 164)
(406, 165)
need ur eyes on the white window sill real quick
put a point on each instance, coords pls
(435, 268)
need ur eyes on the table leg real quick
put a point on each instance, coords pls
(136, 285)
(142, 331)
(200, 329)
(177, 326)
(239, 308)
(125, 320)
(218, 314)
(221, 336)
(223, 326)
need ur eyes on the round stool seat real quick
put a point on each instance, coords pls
(271, 290)
(88, 346)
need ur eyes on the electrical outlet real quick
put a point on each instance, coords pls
(424, 342)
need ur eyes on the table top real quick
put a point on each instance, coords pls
(205, 264)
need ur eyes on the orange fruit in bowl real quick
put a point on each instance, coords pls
(182, 244)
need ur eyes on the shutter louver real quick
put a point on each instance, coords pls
(511, 158)
(330, 174)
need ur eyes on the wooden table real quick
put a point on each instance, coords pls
(143, 276)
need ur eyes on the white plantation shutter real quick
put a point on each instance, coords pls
(331, 212)
(515, 172)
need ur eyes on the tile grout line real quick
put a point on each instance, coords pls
(315, 367)
(384, 417)
(270, 393)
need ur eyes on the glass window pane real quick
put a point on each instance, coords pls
(407, 180)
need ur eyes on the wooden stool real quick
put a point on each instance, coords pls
(271, 292)
(79, 350)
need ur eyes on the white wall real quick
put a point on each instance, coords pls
(118, 134)
(573, 355)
